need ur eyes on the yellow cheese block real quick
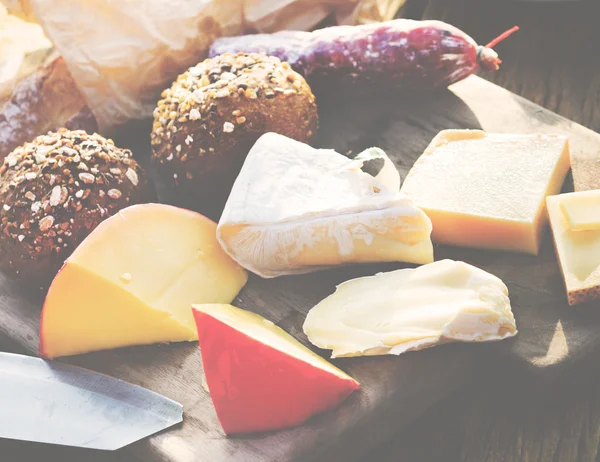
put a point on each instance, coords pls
(487, 190)
(96, 314)
(133, 281)
(578, 251)
(582, 210)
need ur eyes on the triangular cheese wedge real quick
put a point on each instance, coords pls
(260, 378)
(412, 309)
(574, 222)
(133, 280)
(295, 209)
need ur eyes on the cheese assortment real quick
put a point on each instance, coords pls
(487, 190)
(156, 273)
(412, 309)
(295, 209)
(575, 222)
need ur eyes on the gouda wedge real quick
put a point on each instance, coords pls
(133, 281)
(88, 322)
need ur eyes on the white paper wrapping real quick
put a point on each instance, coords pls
(123, 53)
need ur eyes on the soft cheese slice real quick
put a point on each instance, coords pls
(578, 251)
(412, 309)
(133, 280)
(582, 210)
(295, 209)
(488, 190)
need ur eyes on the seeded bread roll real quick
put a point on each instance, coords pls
(54, 191)
(208, 120)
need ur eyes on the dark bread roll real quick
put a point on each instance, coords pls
(208, 120)
(54, 191)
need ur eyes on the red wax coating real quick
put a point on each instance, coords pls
(255, 387)
(401, 53)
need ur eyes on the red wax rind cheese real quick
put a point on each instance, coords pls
(256, 387)
(401, 53)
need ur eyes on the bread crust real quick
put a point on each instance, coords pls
(587, 294)
(208, 120)
(46, 100)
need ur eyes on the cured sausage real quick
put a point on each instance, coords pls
(401, 53)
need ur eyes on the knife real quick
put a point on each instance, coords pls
(50, 402)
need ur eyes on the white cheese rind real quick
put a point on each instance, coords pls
(412, 309)
(388, 175)
(295, 209)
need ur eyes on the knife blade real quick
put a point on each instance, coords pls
(51, 402)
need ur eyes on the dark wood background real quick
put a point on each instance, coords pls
(498, 416)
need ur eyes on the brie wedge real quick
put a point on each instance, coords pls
(295, 209)
(412, 309)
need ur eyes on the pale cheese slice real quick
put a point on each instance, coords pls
(578, 252)
(412, 309)
(582, 210)
(295, 209)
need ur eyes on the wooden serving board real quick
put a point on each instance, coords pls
(394, 389)
(552, 336)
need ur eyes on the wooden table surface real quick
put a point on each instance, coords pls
(500, 416)
(553, 61)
